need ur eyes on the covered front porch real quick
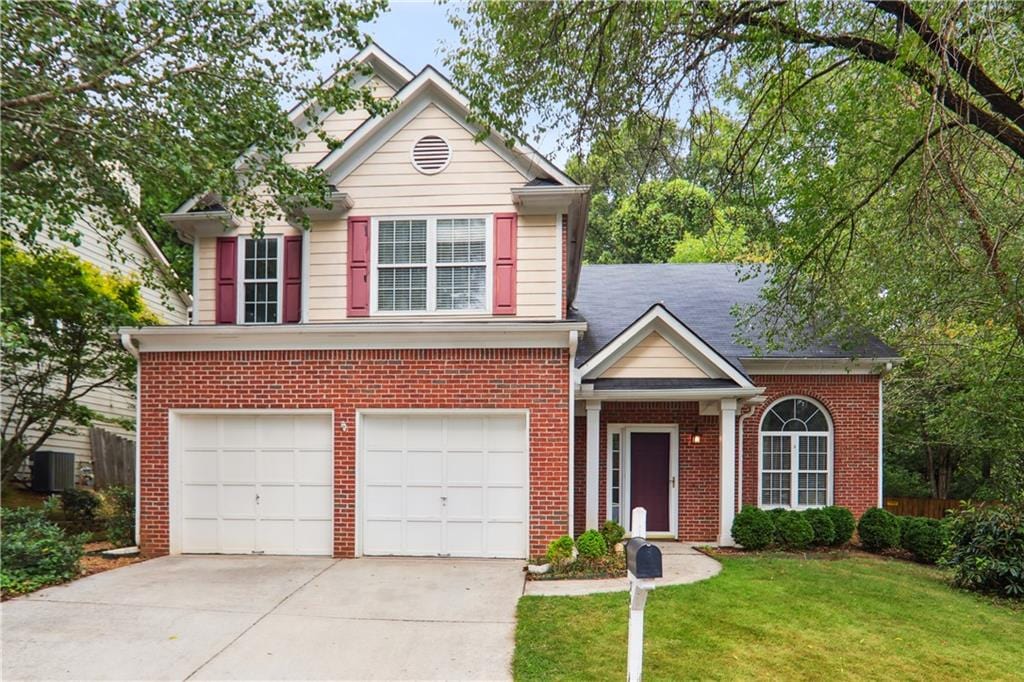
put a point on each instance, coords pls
(673, 451)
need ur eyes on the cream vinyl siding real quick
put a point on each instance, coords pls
(653, 358)
(205, 250)
(338, 126)
(538, 272)
(130, 256)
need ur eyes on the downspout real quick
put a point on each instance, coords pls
(747, 411)
(574, 338)
(126, 341)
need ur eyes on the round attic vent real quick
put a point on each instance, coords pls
(431, 154)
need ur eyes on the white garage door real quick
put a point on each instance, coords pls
(255, 483)
(445, 485)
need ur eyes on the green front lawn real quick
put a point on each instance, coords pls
(778, 617)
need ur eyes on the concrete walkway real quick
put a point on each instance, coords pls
(681, 564)
(260, 618)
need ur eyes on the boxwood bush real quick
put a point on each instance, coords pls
(591, 545)
(36, 552)
(986, 549)
(821, 524)
(612, 533)
(879, 530)
(793, 530)
(559, 550)
(843, 522)
(753, 528)
(925, 538)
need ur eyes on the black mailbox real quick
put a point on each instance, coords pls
(643, 559)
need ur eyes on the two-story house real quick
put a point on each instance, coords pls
(430, 370)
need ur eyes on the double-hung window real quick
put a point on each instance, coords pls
(261, 280)
(431, 264)
(796, 443)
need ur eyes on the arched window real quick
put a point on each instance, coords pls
(796, 454)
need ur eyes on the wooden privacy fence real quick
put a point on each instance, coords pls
(920, 506)
(113, 459)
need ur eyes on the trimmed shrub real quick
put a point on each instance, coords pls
(559, 550)
(843, 522)
(776, 513)
(612, 533)
(36, 552)
(753, 528)
(81, 509)
(905, 523)
(986, 549)
(591, 545)
(821, 524)
(926, 539)
(879, 530)
(793, 530)
(120, 518)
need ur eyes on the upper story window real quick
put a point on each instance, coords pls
(261, 280)
(431, 264)
(795, 458)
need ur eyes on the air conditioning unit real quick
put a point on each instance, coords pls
(53, 472)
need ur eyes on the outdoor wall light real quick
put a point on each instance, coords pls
(695, 436)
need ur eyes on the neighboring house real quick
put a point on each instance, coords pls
(133, 254)
(430, 371)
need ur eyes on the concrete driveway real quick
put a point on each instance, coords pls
(270, 618)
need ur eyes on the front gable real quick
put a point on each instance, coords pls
(659, 346)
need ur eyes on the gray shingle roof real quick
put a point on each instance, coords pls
(701, 295)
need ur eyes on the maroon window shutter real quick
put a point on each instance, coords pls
(358, 266)
(505, 227)
(292, 279)
(227, 273)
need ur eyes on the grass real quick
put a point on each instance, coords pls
(774, 617)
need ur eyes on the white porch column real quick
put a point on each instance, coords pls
(593, 460)
(727, 468)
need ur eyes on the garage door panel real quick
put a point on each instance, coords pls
(506, 469)
(383, 537)
(423, 502)
(313, 466)
(314, 501)
(506, 433)
(505, 504)
(423, 537)
(243, 431)
(237, 466)
(199, 466)
(383, 467)
(465, 434)
(505, 539)
(422, 433)
(382, 502)
(259, 483)
(465, 539)
(465, 468)
(388, 434)
(423, 468)
(200, 500)
(465, 504)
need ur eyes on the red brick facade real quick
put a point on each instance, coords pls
(852, 402)
(347, 380)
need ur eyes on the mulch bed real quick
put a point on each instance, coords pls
(609, 566)
(820, 553)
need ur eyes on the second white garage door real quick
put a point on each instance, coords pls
(445, 484)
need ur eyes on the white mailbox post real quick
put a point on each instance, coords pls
(643, 561)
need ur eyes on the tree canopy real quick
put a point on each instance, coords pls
(169, 92)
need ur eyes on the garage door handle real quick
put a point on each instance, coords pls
(444, 501)
(257, 498)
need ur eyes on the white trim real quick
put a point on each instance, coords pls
(659, 319)
(727, 470)
(573, 343)
(304, 288)
(794, 463)
(457, 412)
(668, 394)
(174, 438)
(240, 278)
(438, 91)
(625, 431)
(593, 462)
(126, 342)
(431, 266)
(772, 366)
(881, 446)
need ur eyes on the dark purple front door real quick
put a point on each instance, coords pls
(648, 478)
